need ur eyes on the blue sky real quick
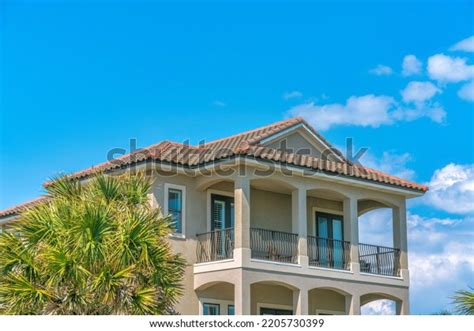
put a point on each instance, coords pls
(80, 78)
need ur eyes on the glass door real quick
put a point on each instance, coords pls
(329, 230)
(222, 219)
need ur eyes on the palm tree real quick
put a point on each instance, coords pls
(95, 248)
(463, 301)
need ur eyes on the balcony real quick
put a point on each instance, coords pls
(215, 245)
(379, 260)
(329, 253)
(274, 246)
(278, 246)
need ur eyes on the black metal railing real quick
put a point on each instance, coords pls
(215, 245)
(379, 260)
(328, 253)
(274, 245)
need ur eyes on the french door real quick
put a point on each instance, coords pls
(222, 219)
(329, 230)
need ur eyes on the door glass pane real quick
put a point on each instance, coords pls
(338, 254)
(211, 309)
(323, 244)
(230, 310)
(323, 227)
(336, 229)
(218, 215)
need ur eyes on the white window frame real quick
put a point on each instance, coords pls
(182, 188)
(223, 305)
(273, 306)
(208, 203)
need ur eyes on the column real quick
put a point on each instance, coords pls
(351, 231)
(399, 216)
(300, 223)
(242, 297)
(353, 304)
(300, 301)
(403, 307)
(242, 217)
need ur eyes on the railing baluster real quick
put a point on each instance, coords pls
(215, 245)
(274, 245)
(329, 253)
(379, 260)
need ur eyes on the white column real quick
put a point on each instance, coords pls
(300, 301)
(351, 230)
(242, 297)
(353, 304)
(300, 223)
(242, 218)
(399, 216)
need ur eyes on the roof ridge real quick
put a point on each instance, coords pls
(293, 119)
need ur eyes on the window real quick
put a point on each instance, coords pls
(275, 311)
(211, 309)
(230, 310)
(175, 202)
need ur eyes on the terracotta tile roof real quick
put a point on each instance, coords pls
(244, 144)
(21, 207)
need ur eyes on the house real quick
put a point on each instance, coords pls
(268, 222)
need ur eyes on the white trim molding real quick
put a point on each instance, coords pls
(182, 188)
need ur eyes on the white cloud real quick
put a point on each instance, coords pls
(411, 65)
(381, 70)
(466, 45)
(389, 162)
(378, 307)
(219, 103)
(467, 91)
(419, 91)
(452, 189)
(434, 111)
(292, 95)
(449, 69)
(368, 110)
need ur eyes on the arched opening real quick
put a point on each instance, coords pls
(377, 252)
(272, 298)
(216, 298)
(327, 301)
(379, 304)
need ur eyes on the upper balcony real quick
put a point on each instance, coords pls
(282, 247)
(292, 223)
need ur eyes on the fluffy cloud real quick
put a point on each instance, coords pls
(419, 91)
(366, 111)
(466, 45)
(449, 69)
(452, 189)
(389, 162)
(411, 65)
(378, 307)
(467, 91)
(381, 70)
(292, 95)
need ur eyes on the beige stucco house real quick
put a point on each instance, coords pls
(268, 222)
